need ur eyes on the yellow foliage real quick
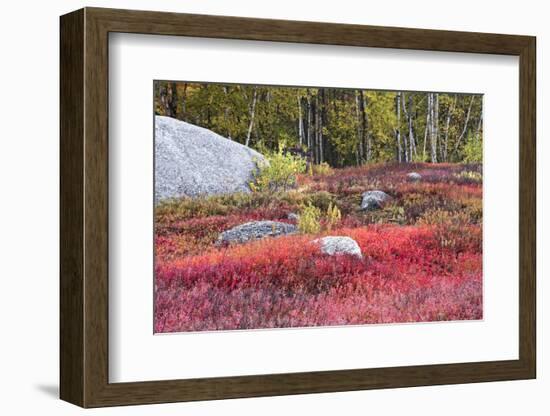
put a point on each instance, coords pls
(333, 216)
(308, 221)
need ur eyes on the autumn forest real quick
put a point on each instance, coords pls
(343, 127)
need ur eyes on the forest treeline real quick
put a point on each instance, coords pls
(341, 127)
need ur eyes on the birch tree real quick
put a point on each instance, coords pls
(447, 126)
(466, 121)
(252, 113)
(398, 127)
(411, 140)
(300, 121)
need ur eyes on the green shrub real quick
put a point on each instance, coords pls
(321, 199)
(333, 216)
(321, 169)
(308, 222)
(473, 149)
(278, 172)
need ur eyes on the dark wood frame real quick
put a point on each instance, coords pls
(84, 207)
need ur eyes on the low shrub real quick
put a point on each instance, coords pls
(308, 222)
(392, 213)
(321, 169)
(321, 199)
(439, 216)
(469, 177)
(333, 216)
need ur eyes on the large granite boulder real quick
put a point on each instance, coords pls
(192, 161)
(335, 245)
(374, 200)
(255, 230)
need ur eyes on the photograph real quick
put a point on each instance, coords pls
(281, 207)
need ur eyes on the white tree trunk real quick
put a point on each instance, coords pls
(433, 135)
(252, 112)
(480, 123)
(397, 129)
(447, 125)
(427, 129)
(412, 140)
(465, 125)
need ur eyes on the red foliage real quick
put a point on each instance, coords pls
(403, 277)
(410, 272)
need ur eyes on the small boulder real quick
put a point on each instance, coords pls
(332, 245)
(374, 200)
(413, 176)
(255, 230)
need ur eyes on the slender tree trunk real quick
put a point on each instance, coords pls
(184, 101)
(320, 129)
(226, 112)
(300, 121)
(367, 140)
(252, 113)
(404, 136)
(447, 125)
(410, 146)
(433, 136)
(309, 123)
(427, 129)
(412, 141)
(465, 126)
(398, 128)
(169, 99)
(436, 124)
(359, 151)
(316, 130)
(480, 122)
(362, 126)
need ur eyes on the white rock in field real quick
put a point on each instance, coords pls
(413, 176)
(192, 161)
(374, 200)
(333, 245)
(255, 230)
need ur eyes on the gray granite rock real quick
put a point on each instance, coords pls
(192, 161)
(255, 230)
(374, 200)
(413, 176)
(334, 245)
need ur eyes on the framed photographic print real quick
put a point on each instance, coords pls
(256, 207)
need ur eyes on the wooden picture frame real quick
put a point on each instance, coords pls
(84, 207)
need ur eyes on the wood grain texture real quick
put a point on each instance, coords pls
(71, 203)
(84, 207)
(527, 207)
